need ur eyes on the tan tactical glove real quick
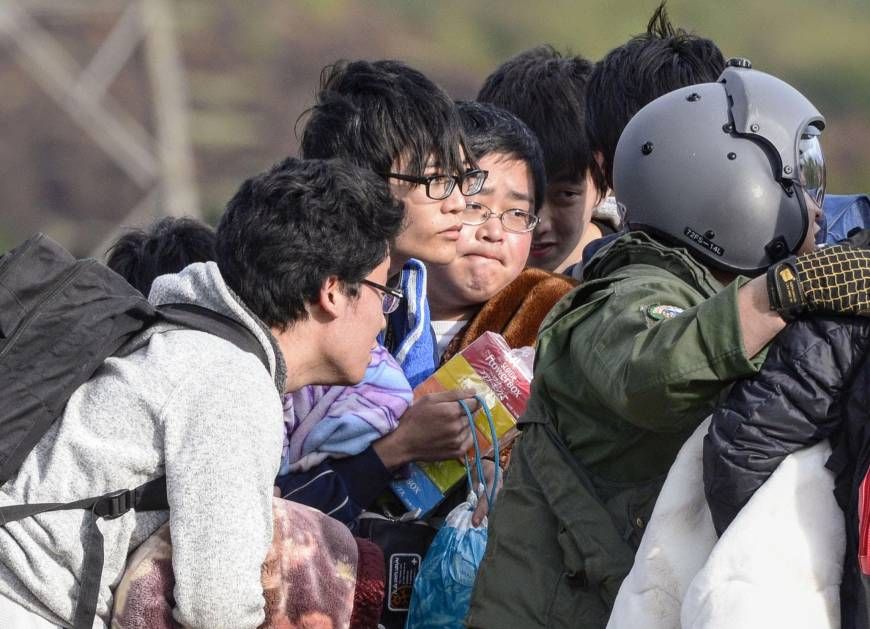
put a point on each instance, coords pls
(835, 279)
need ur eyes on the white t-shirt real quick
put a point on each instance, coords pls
(444, 333)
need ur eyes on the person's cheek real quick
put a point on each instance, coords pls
(520, 252)
(562, 227)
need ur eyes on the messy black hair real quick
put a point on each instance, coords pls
(286, 231)
(490, 129)
(547, 91)
(650, 64)
(167, 246)
(375, 114)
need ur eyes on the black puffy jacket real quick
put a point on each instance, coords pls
(815, 384)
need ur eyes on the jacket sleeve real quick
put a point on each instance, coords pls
(662, 375)
(794, 402)
(222, 439)
(341, 488)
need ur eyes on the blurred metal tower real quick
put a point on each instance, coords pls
(162, 166)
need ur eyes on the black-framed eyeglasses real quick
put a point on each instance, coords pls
(513, 220)
(391, 296)
(441, 186)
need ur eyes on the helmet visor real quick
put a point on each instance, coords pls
(811, 164)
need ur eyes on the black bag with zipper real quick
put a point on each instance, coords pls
(60, 318)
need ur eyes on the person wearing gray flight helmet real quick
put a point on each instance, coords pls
(731, 170)
(721, 183)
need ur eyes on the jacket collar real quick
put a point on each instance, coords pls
(640, 248)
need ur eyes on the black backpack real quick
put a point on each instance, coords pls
(60, 318)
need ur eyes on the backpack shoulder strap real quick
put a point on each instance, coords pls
(150, 496)
(207, 320)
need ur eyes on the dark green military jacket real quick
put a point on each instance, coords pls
(627, 366)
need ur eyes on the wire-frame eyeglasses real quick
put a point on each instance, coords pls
(513, 220)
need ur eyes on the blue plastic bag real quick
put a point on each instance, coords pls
(442, 589)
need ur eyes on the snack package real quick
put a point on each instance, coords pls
(502, 377)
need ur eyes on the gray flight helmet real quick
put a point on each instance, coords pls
(717, 168)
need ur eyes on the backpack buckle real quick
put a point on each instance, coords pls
(115, 504)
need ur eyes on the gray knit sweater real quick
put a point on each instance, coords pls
(182, 403)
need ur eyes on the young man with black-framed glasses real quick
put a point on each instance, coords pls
(391, 119)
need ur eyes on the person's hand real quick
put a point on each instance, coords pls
(434, 428)
(482, 508)
(834, 279)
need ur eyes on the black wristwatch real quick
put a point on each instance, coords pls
(784, 289)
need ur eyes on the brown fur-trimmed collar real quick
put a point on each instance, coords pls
(516, 312)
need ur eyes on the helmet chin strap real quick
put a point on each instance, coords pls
(723, 277)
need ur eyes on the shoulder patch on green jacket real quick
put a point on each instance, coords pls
(659, 312)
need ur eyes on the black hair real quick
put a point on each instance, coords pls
(375, 113)
(649, 65)
(491, 129)
(167, 246)
(547, 91)
(289, 229)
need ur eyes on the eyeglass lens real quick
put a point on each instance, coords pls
(472, 181)
(390, 303)
(441, 186)
(513, 220)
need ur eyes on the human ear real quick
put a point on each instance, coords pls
(331, 299)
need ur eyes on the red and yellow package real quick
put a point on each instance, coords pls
(489, 368)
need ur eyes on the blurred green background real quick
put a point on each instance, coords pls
(251, 68)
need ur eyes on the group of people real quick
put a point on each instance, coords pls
(646, 222)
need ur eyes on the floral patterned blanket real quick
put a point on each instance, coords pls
(315, 576)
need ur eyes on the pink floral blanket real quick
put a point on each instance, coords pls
(315, 576)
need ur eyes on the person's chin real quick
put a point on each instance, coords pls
(442, 255)
(352, 377)
(546, 257)
(540, 262)
(483, 293)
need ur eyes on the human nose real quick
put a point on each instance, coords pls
(816, 211)
(543, 225)
(492, 229)
(455, 203)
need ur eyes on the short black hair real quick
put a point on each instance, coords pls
(167, 246)
(289, 229)
(491, 129)
(649, 65)
(375, 113)
(547, 91)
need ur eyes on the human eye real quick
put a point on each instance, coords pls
(439, 185)
(472, 181)
(518, 219)
(474, 213)
(567, 196)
